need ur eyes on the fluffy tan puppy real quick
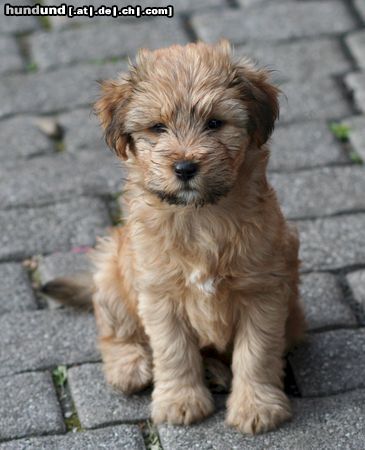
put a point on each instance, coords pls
(205, 259)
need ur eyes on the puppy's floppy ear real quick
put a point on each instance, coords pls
(111, 109)
(260, 98)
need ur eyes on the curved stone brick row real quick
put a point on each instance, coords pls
(307, 19)
(330, 362)
(333, 242)
(10, 58)
(356, 134)
(356, 84)
(304, 145)
(58, 48)
(110, 438)
(59, 227)
(356, 44)
(324, 303)
(321, 423)
(60, 177)
(360, 7)
(315, 99)
(44, 339)
(28, 406)
(58, 90)
(298, 60)
(98, 404)
(15, 290)
(21, 139)
(356, 281)
(322, 191)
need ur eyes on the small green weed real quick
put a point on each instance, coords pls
(45, 22)
(341, 131)
(31, 67)
(355, 157)
(151, 439)
(59, 145)
(73, 422)
(97, 62)
(60, 376)
(101, 62)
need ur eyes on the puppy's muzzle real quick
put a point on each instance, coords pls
(186, 170)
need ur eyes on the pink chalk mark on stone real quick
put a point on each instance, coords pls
(81, 249)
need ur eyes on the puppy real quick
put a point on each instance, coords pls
(205, 259)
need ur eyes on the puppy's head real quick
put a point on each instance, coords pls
(185, 118)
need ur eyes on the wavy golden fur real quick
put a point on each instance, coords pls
(208, 263)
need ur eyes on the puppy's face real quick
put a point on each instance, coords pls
(185, 117)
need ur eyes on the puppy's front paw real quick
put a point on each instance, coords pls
(182, 406)
(255, 414)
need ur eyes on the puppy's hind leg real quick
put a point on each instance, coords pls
(122, 341)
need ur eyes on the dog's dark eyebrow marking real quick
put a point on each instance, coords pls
(143, 138)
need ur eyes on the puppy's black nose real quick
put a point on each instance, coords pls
(185, 170)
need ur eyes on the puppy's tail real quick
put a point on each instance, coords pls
(73, 291)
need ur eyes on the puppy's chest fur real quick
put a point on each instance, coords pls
(192, 270)
(208, 308)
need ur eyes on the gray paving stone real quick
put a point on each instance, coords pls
(45, 339)
(62, 265)
(98, 404)
(356, 44)
(299, 60)
(110, 438)
(315, 99)
(323, 302)
(251, 3)
(357, 134)
(58, 90)
(356, 84)
(29, 406)
(10, 59)
(82, 130)
(332, 423)
(15, 290)
(45, 180)
(330, 362)
(360, 7)
(20, 138)
(58, 48)
(59, 227)
(320, 192)
(304, 145)
(356, 280)
(310, 18)
(18, 24)
(332, 243)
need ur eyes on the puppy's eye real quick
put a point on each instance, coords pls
(214, 124)
(158, 128)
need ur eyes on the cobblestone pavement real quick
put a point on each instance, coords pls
(59, 189)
